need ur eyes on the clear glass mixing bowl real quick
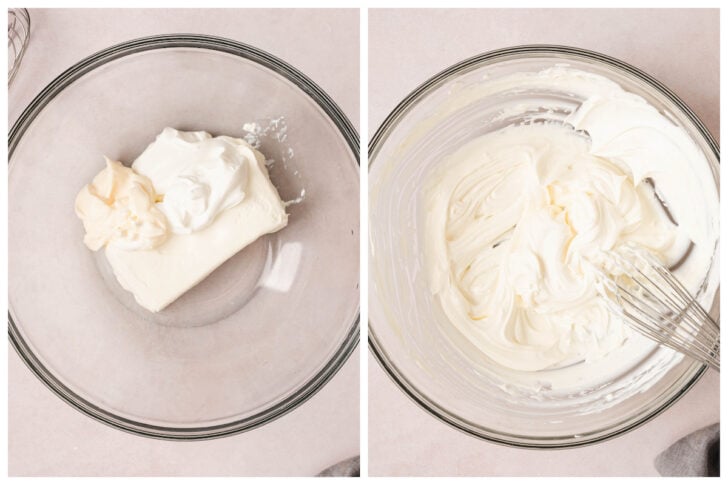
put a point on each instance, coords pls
(262, 333)
(439, 369)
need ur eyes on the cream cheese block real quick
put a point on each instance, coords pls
(175, 163)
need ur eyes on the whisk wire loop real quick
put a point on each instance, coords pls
(655, 303)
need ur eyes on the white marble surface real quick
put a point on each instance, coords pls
(48, 437)
(680, 48)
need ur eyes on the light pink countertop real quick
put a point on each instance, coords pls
(678, 47)
(48, 437)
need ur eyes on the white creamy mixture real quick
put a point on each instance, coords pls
(515, 220)
(200, 176)
(118, 208)
(188, 203)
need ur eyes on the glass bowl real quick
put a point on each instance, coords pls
(437, 367)
(261, 334)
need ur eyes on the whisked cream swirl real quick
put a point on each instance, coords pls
(516, 218)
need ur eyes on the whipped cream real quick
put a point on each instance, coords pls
(517, 219)
(118, 209)
(198, 175)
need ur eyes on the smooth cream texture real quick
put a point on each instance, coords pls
(118, 209)
(200, 176)
(158, 277)
(188, 204)
(516, 219)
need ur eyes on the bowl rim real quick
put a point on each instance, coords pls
(375, 345)
(247, 52)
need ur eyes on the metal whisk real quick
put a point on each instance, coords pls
(654, 302)
(18, 35)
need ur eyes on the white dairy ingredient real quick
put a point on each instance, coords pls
(218, 228)
(515, 218)
(118, 209)
(188, 204)
(200, 176)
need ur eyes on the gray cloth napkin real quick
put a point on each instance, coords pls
(346, 468)
(696, 455)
